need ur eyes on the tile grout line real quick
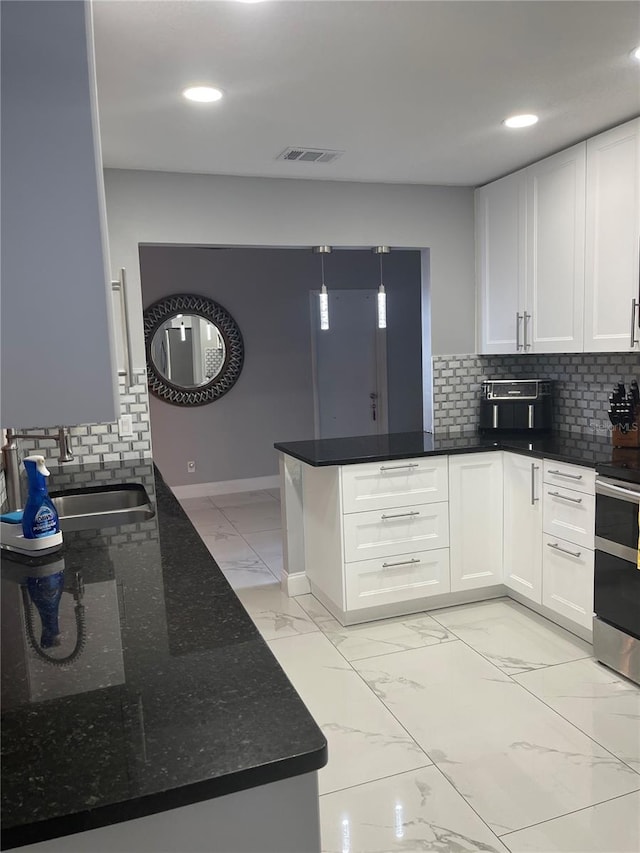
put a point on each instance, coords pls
(574, 811)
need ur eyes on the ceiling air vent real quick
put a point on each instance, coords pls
(309, 155)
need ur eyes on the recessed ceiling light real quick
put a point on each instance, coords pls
(525, 120)
(635, 54)
(202, 94)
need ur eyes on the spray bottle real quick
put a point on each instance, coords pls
(39, 518)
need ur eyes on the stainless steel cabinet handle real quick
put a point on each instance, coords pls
(556, 547)
(534, 468)
(121, 287)
(398, 467)
(634, 305)
(525, 326)
(565, 497)
(399, 515)
(403, 563)
(569, 476)
(519, 317)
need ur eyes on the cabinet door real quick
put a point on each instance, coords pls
(475, 520)
(554, 316)
(57, 354)
(568, 580)
(612, 233)
(500, 264)
(523, 525)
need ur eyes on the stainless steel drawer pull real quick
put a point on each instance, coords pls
(399, 467)
(399, 515)
(565, 497)
(403, 563)
(562, 474)
(556, 547)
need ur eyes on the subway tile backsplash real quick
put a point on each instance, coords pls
(583, 382)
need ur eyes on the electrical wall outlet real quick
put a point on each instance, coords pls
(191, 467)
(125, 426)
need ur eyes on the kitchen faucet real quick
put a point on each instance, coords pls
(12, 464)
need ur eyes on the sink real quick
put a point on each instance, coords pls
(102, 506)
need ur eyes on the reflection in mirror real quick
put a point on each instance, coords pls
(188, 350)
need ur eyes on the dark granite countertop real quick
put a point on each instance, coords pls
(579, 448)
(175, 697)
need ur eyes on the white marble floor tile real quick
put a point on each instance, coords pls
(190, 504)
(376, 638)
(516, 761)
(511, 636)
(412, 811)
(596, 700)
(229, 547)
(365, 741)
(611, 827)
(274, 613)
(252, 518)
(211, 522)
(242, 498)
(247, 574)
(268, 546)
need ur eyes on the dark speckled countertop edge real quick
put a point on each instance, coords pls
(145, 806)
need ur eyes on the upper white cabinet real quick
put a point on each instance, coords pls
(612, 315)
(557, 251)
(500, 263)
(57, 351)
(475, 520)
(554, 306)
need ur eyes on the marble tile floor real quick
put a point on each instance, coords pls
(482, 727)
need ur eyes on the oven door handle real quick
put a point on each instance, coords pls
(619, 492)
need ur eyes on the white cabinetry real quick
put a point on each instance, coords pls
(57, 350)
(523, 525)
(554, 310)
(376, 534)
(530, 257)
(568, 542)
(475, 513)
(612, 315)
(500, 263)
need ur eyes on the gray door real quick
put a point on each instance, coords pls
(349, 361)
(181, 357)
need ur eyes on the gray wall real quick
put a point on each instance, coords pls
(267, 293)
(166, 208)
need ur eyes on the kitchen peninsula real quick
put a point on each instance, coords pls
(386, 525)
(173, 724)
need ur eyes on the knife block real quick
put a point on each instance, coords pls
(631, 438)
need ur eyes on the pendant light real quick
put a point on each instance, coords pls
(382, 296)
(324, 296)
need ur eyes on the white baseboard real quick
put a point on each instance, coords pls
(296, 584)
(226, 487)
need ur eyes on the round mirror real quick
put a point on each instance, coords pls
(194, 350)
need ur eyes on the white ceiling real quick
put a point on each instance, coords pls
(412, 90)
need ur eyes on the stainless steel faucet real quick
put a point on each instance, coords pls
(12, 463)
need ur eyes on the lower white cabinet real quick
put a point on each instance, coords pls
(523, 525)
(567, 580)
(371, 583)
(475, 520)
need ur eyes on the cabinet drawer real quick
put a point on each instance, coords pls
(570, 476)
(567, 580)
(403, 482)
(373, 582)
(388, 533)
(569, 515)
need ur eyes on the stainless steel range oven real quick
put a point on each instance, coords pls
(616, 624)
